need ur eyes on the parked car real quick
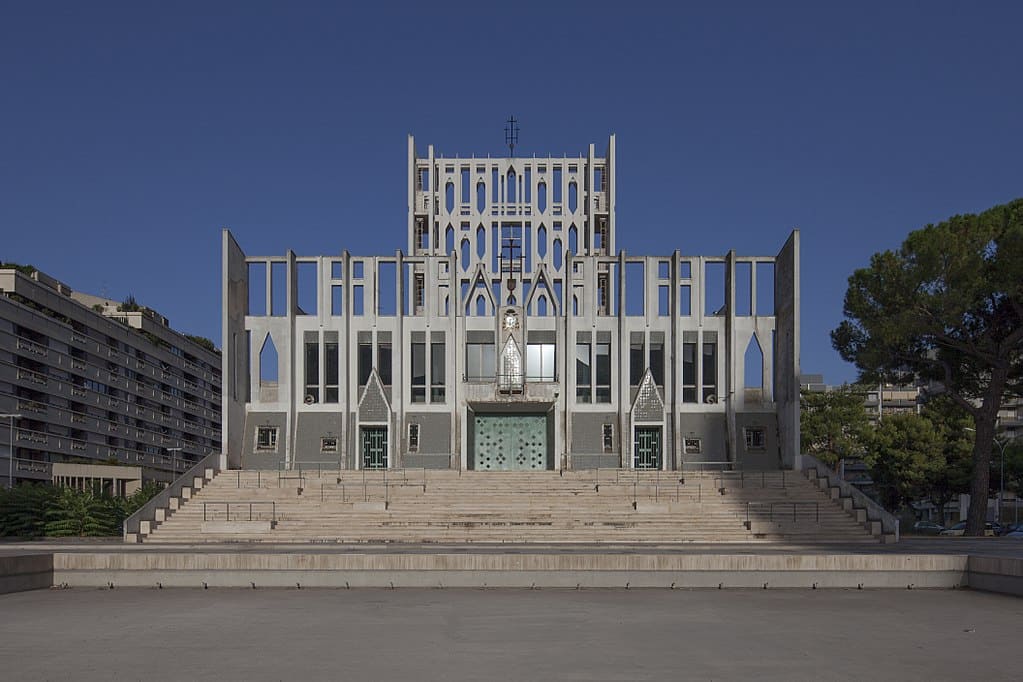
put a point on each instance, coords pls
(1015, 535)
(927, 528)
(990, 529)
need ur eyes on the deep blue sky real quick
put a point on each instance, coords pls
(130, 133)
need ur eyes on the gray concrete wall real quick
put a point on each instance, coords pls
(312, 427)
(770, 457)
(22, 572)
(587, 433)
(786, 302)
(250, 457)
(710, 428)
(434, 433)
(235, 348)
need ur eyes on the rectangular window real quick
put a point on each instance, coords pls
(419, 372)
(312, 372)
(365, 361)
(413, 437)
(602, 369)
(330, 394)
(479, 361)
(540, 362)
(693, 446)
(637, 359)
(657, 357)
(384, 363)
(437, 372)
(689, 372)
(710, 372)
(608, 437)
(328, 444)
(266, 438)
(755, 439)
(583, 393)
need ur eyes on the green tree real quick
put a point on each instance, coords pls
(946, 308)
(832, 424)
(904, 453)
(81, 513)
(23, 510)
(952, 422)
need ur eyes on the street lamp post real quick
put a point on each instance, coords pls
(174, 461)
(10, 454)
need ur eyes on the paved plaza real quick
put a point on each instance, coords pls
(447, 634)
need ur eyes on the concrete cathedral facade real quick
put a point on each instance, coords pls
(512, 334)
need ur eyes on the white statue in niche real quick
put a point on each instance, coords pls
(510, 376)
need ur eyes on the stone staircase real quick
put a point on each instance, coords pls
(444, 506)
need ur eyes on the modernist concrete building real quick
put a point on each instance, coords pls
(513, 333)
(93, 382)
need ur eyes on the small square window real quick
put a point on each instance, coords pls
(608, 437)
(328, 444)
(266, 438)
(755, 439)
(693, 446)
(413, 437)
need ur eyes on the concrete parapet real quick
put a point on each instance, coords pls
(22, 572)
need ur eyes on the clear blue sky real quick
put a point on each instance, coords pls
(130, 133)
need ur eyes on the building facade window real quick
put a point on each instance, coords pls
(756, 438)
(608, 437)
(437, 372)
(583, 375)
(710, 372)
(602, 372)
(540, 362)
(266, 438)
(418, 372)
(413, 437)
(480, 363)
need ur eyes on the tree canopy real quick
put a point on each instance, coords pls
(946, 309)
(832, 424)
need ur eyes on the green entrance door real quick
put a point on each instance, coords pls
(509, 442)
(648, 447)
(374, 447)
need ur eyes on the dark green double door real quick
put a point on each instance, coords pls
(647, 447)
(374, 447)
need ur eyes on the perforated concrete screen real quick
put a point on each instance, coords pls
(510, 442)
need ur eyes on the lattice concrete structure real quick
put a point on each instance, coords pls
(511, 335)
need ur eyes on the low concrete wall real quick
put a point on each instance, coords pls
(996, 574)
(510, 570)
(22, 572)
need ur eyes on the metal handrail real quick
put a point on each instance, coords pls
(796, 505)
(243, 503)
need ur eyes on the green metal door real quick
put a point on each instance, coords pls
(374, 447)
(648, 447)
(506, 442)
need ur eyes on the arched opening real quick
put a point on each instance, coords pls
(512, 187)
(449, 240)
(541, 197)
(481, 242)
(481, 197)
(541, 241)
(557, 254)
(541, 306)
(573, 196)
(481, 306)
(465, 254)
(449, 197)
(754, 365)
(268, 364)
(573, 241)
